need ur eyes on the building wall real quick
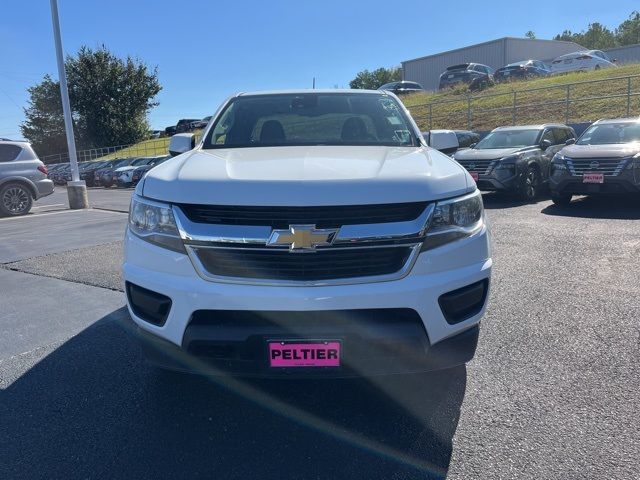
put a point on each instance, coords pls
(496, 53)
(627, 54)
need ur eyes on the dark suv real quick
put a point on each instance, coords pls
(515, 159)
(605, 159)
(522, 70)
(473, 74)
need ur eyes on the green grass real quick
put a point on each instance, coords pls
(147, 148)
(495, 105)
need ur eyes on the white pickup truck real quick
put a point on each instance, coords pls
(308, 233)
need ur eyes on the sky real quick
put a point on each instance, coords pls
(207, 50)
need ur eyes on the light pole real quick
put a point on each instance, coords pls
(76, 188)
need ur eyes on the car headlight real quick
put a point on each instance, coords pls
(154, 222)
(508, 163)
(558, 164)
(455, 219)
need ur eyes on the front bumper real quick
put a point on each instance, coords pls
(500, 181)
(407, 322)
(623, 183)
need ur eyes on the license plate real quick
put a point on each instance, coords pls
(474, 175)
(304, 354)
(593, 178)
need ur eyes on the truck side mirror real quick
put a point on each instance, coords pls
(181, 142)
(570, 141)
(544, 144)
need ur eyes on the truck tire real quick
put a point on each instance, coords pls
(561, 200)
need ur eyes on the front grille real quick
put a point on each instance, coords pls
(607, 166)
(322, 217)
(481, 166)
(327, 264)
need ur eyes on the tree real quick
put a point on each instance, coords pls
(530, 34)
(373, 80)
(598, 37)
(628, 32)
(44, 126)
(110, 98)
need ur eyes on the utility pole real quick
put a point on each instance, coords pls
(76, 188)
(314, 83)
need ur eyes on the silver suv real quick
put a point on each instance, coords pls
(23, 178)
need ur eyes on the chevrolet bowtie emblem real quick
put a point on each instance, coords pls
(301, 238)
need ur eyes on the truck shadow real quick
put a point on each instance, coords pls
(604, 207)
(93, 409)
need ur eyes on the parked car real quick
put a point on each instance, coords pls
(450, 141)
(295, 258)
(185, 125)
(59, 174)
(521, 70)
(124, 175)
(155, 133)
(139, 173)
(68, 174)
(104, 176)
(200, 124)
(581, 61)
(401, 88)
(23, 178)
(88, 172)
(515, 159)
(605, 159)
(474, 74)
(170, 131)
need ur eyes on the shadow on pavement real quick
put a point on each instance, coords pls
(605, 207)
(93, 409)
(495, 200)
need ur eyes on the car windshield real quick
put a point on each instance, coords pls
(311, 119)
(508, 139)
(610, 133)
(141, 161)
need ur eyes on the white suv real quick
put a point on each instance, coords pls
(309, 233)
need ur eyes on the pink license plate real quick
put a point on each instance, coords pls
(474, 175)
(311, 354)
(593, 178)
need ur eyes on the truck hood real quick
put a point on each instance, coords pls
(306, 176)
(601, 151)
(485, 154)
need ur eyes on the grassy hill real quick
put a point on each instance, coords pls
(592, 95)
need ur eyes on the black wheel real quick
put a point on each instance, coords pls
(530, 185)
(561, 200)
(15, 199)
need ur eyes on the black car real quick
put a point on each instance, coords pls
(515, 159)
(401, 88)
(475, 75)
(521, 70)
(88, 173)
(185, 125)
(604, 160)
(170, 130)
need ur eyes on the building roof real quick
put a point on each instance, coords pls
(497, 40)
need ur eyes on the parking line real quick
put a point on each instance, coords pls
(46, 214)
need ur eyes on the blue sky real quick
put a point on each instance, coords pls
(207, 50)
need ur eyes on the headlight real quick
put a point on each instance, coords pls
(153, 222)
(454, 219)
(508, 163)
(558, 163)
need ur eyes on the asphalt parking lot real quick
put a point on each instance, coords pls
(554, 390)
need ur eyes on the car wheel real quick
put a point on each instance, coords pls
(15, 199)
(561, 200)
(530, 184)
(597, 67)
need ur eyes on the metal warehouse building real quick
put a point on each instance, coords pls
(496, 53)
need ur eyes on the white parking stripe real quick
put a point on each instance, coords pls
(24, 217)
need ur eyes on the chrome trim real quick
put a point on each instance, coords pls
(192, 232)
(205, 275)
(610, 167)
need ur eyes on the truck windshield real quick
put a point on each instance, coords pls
(610, 133)
(311, 119)
(508, 139)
